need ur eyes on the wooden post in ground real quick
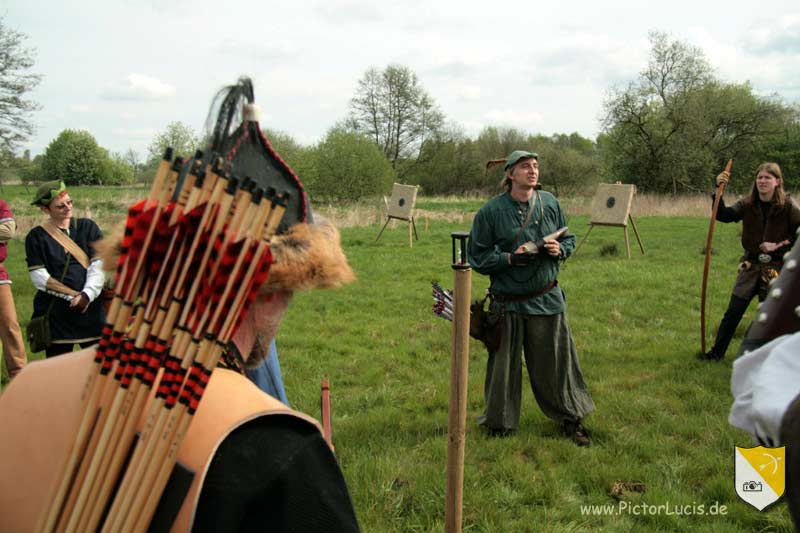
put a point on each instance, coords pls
(636, 232)
(325, 412)
(457, 419)
(627, 242)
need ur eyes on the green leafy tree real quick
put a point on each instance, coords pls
(7, 164)
(181, 137)
(301, 159)
(496, 142)
(118, 170)
(15, 168)
(784, 149)
(30, 171)
(393, 109)
(673, 129)
(347, 166)
(75, 157)
(287, 147)
(492, 143)
(16, 82)
(569, 164)
(449, 164)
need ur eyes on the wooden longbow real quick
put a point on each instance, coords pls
(715, 208)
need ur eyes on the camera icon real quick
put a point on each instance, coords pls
(751, 486)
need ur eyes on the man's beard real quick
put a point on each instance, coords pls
(259, 352)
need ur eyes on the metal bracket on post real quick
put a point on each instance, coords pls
(460, 251)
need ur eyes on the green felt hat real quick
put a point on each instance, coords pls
(47, 192)
(517, 155)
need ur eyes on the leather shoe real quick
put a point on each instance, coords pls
(710, 355)
(577, 433)
(499, 432)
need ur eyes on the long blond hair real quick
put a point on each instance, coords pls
(779, 196)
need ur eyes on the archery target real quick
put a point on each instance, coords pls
(612, 204)
(401, 204)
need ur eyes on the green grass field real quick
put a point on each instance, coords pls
(661, 418)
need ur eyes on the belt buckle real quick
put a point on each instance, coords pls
(764, 258)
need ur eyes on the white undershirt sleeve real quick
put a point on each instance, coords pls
(39, 279)
(95, 278)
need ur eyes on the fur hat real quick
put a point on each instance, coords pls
(308, 256)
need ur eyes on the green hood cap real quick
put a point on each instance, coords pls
(47, 192)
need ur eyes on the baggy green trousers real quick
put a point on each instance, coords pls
(553, 369)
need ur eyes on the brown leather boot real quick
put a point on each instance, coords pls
(576, 432)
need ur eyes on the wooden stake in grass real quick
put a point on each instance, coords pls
(325, 411)
(457, 419)
(717, 199)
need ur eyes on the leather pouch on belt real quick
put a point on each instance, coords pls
(485, 326)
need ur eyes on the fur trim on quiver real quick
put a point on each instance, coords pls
(307, 256)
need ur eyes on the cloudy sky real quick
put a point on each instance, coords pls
(124, 69)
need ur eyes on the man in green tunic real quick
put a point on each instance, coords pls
(527, 299)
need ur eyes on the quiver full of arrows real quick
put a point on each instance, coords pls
(192, 259)
(187, 272)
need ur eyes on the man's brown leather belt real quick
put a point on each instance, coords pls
(503, 298)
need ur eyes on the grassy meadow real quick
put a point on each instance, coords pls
(660, 432)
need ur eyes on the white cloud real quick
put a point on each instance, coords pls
(469, 92)
(135, 134)
(472, 127)
(781, 36)
(80, 108)
(510, 117)
(356, 13)
(589, 58)
(452, 69)
(138, 87)
(257, 49)
(767, 65)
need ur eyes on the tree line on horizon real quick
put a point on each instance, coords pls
(669, 131)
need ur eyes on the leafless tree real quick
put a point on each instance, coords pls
(394, 110)
(16, 81)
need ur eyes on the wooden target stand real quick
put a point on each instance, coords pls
(612, 207)
(401, 207)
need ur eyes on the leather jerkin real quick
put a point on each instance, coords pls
(41, 409)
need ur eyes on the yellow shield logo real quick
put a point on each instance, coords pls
(760, 475)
